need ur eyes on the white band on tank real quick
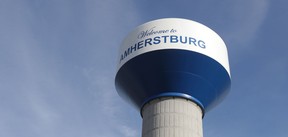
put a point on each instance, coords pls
(174, 33)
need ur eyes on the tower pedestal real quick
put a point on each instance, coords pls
(171, 117)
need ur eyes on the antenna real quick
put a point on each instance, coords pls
(173, 70)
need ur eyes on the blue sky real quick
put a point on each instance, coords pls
(58, 61)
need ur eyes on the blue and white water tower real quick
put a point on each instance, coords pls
(173, 70)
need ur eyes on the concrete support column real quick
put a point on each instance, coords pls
(172, 117)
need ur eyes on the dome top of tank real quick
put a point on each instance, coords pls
(173, 57)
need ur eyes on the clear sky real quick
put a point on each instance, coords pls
(58, 61)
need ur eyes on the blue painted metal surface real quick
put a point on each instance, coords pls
(173, 72)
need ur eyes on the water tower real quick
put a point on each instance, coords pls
(173, 70)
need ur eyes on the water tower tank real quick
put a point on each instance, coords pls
(170, 65)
